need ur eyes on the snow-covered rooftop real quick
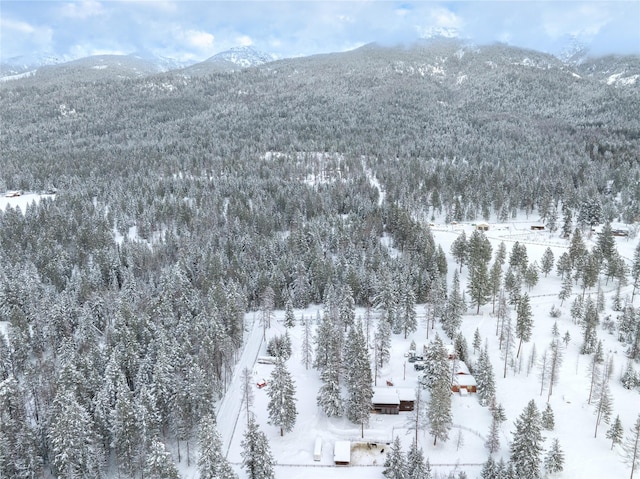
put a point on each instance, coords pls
(342, 451)
(385, 396)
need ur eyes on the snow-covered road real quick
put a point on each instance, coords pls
(229, 407)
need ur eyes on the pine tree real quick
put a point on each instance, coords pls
(407, 310)
(257, 459)
(631, 447)
(531, 275)
(439, 411)
(461, 348)
(329, 396)
(567, 288)
(74, 446)
(289, 317)
(524, 321)
(212, 464)
(485, 379)
(479, 285)
(436, 365)
(603, 404)
(615, 432)
(460, 249)
(416, 466)
(477, 341)
(548, 421)
(358, 378)
(395, 465)
(126, 433)
(546, 264)
(382, 342)
(159, 463)
(307, 345)
(635, 271)
(554, 460)
(555, 360)
(489, 469)
(493, 438)
(495, 282)
(282, 401)
(526, 447)
(454, 308)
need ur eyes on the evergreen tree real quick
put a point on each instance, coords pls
(635, 270)
(567, 288)
(567, 221)
(454, 308)
(563, 266)
(382, 342)
(282, 401)
(329, 397)
(461, 348)
(212, 464)
(289, 317)
(436, 364)
(74, 446)
(395, 465)
(159, 463)
(554, 460)
(495, 282)
(615, 432)
(531, 275)
(257, 459)
(407, 310)
(546, 264)
(489, 469)
(439, 411)
(416, 466)
(524, 321)
(477, 341)
(485, 378)
(479, 285)
(526, 447)
(307, 345)
(358, 378)
(548, 421)
(555, 360)
(631, 447)
(460, 249)
(493, 438)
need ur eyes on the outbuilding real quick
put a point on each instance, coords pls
(342, 453)
(317, 449)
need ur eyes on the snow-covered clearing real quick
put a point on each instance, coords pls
(22, 201)
(585, 456)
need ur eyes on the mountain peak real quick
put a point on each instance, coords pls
(243, 57)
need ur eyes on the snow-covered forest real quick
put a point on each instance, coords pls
(326, 211)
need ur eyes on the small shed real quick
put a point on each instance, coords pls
(464, 381)
(342, 453)
(385, 401)
(407, 397)
(537, 227)
(482, 226)
(317, 449)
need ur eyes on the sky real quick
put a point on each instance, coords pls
(196, 30)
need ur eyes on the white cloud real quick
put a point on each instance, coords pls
(16, 26)
(244, 41)
(444, 18)
(82, 10)
(192, 38)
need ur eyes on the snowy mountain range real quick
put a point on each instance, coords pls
(133, 65)
(432, 55)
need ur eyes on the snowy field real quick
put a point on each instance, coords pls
(21, 201)
(585, 456)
